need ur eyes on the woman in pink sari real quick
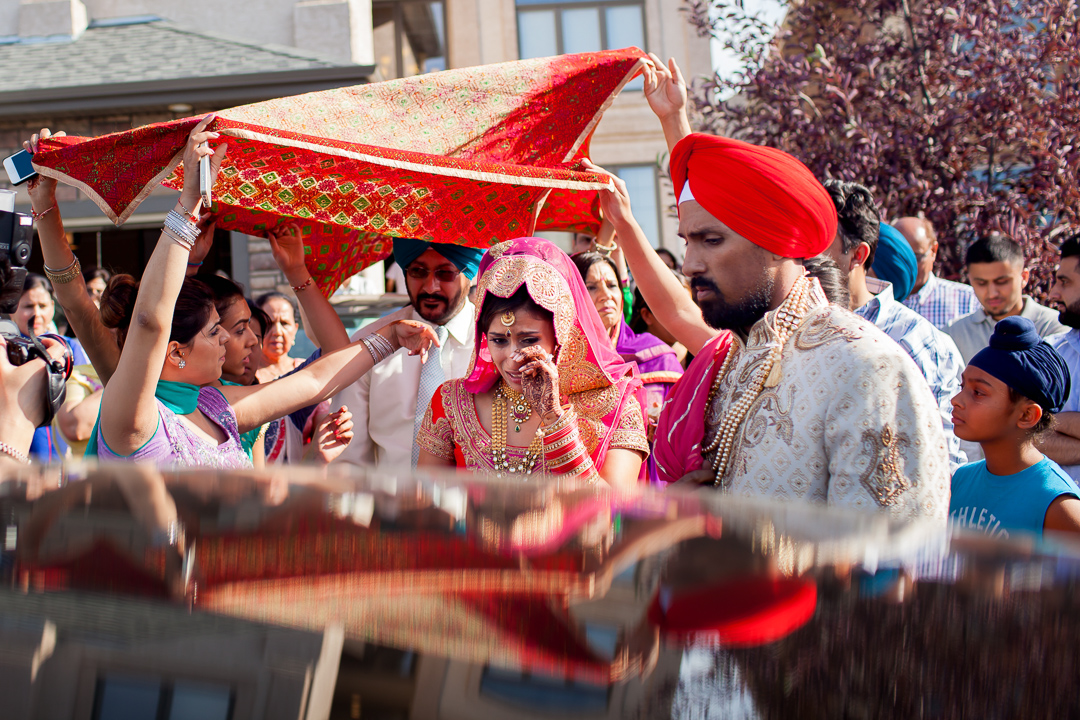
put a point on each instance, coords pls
(546, 394)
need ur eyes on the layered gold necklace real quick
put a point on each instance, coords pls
(787, 319)
(506, 405)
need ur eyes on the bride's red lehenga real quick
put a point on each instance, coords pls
(602, 389)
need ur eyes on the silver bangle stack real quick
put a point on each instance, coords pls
(181, 229)
(14, 454)
(379, 347)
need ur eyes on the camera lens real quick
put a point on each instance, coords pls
(16, 353)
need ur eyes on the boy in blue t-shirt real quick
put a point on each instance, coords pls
(1009, 392)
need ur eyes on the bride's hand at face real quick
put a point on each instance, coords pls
(540, 382)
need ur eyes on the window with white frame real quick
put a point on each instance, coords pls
(642, 183)
(548, 28)
(409, 37)
(644, 189)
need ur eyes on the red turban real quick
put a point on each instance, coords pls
(740, 612)
(763, 194)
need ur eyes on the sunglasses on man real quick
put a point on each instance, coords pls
(417, 272)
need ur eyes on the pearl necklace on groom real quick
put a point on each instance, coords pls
(787, 319)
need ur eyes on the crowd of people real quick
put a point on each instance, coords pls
(804, 350)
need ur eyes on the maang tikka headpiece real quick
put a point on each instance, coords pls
(508, 319)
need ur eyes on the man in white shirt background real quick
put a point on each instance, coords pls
(995, 266)
(386, 403)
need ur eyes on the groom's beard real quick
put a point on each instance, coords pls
(723, 314)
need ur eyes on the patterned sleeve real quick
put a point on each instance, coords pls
(435, 434)
(630, 432)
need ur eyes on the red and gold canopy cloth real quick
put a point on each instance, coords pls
(465, 156)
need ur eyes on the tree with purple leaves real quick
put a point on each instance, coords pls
(966, 111)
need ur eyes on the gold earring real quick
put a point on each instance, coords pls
(508, 319)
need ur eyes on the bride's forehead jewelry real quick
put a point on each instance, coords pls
(508, 319)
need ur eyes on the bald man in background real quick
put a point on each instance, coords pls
(938, 300)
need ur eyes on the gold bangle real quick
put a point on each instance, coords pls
(61, 277)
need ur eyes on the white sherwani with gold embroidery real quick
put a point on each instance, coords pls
(848, 420)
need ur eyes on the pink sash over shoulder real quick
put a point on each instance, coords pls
(681, 430)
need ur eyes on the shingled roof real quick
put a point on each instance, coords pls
(139, 51)
(146, 63)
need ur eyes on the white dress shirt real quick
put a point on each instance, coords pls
(383, 402)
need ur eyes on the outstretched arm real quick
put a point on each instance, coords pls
(331, 373)
(322, 323)
(665, 89)
(77, 416)
(663, 293)
(129, 414)
(69, 287)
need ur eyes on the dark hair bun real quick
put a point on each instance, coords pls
(118, 304)
(118, 300)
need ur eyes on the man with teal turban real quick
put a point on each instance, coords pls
(388, 403)
(895, 261)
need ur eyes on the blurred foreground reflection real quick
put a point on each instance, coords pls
(132, 593)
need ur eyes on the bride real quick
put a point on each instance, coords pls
(546, 394)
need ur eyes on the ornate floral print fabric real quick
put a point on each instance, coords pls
(465, 156)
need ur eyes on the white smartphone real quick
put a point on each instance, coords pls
(204, 180)
(19, 167)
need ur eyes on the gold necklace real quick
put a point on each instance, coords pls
(788, 317)
(500, 412)
(518, 407)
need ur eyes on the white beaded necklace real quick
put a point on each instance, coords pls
(787, 319)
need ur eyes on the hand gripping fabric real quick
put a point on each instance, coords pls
(466, 156)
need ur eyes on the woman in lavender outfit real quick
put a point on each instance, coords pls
(154, 408)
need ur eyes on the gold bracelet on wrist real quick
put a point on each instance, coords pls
(66, 275)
